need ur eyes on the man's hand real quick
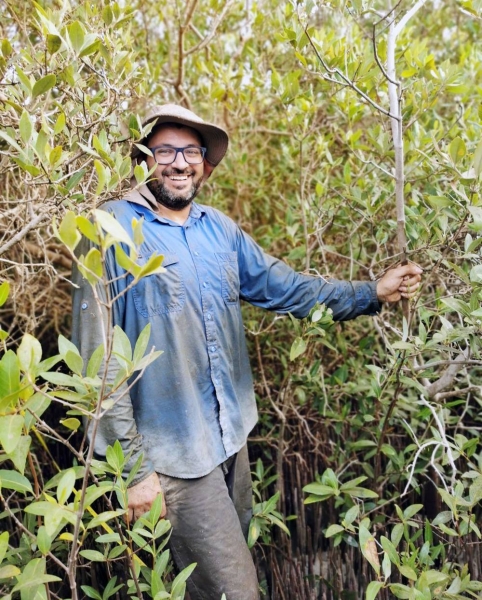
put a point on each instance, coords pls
(401, 282)
(141, 496)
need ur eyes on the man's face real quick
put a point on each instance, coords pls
(175, 185)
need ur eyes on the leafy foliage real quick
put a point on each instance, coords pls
(391, 407)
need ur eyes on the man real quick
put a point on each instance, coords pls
(191, 412)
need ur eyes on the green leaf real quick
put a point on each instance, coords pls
(55, 155)
(44, 85)
(37, 404)
(113, 227)
(10, 431)
(476, 274)
(66, 345)
(65, 486)
(14, 481)
(401, 591)
(397, 534)
(141, 343)
(152, 266)
(90, 592)
(19, 455)
(121, 348)
(102, 176)
(89, 49)
(412, 510)
(3, 544)
(29, 352)
(4, 292)
(53, 43)
(359, 492)
(35, 582)
(457, 149)
(95, 361)
(6, 48)
(24, 80)
(390, 550)
(137, 231)
(297, 348)
(104, 517)
(408, 572)
(71, 423)
(58, 127)
(67, 231)
(369, 548)
(254, 531)
(9, 380)
(25, 127)
(9, 571)
(478, 159)
(76, 35)
(86, 227)
(352, 514)
(182, 578)
(93, 262)
(115, 456)
(44, 541)
(74, 362)
(320, 489)
(372, 589)
(333, 530)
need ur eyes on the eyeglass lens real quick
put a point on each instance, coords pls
(167, 155)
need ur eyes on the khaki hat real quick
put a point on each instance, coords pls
(214, 138)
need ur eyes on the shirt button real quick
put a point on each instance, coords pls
(213, 349)
(205, 284)
(208, 317)
(84, 305)
(196, 253)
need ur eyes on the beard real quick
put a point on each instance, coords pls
(170, 198)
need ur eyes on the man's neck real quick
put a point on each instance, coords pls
(178, 216)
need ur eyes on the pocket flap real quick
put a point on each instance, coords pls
(170, 259)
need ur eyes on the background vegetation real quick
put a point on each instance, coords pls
(369, 429)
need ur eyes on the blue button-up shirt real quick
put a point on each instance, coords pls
(195, 405)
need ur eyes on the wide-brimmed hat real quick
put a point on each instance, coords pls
(214, 138)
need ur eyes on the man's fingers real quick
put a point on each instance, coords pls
(410, 269)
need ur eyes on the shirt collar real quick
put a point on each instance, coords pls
(143, 198)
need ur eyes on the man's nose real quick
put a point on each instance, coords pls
(180, 161)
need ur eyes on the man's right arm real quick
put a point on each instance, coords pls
(90, 329)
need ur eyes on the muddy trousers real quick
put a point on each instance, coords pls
(210, 518)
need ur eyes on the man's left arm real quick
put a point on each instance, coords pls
(269, 283)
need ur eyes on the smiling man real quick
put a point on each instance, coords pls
(191, 412)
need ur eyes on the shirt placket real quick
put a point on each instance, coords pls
(208, 305)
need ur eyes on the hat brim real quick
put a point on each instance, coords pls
(214, 138)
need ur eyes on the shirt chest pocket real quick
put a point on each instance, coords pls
(228, 263)
(161, 293)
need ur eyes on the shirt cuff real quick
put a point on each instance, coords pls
(366, 298)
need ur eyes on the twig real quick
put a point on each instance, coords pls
(23, 232)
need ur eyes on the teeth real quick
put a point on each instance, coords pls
(178, 178)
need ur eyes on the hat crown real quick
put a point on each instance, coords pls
(173, 110)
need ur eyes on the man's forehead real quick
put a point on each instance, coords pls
(166, 131)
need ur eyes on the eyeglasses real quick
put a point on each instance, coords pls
(166, 155)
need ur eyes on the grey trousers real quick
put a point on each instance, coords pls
(210, 520)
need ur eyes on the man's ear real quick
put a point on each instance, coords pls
(208, 169)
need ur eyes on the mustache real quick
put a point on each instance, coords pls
(174, 171)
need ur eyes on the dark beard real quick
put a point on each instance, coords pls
(170, 199)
